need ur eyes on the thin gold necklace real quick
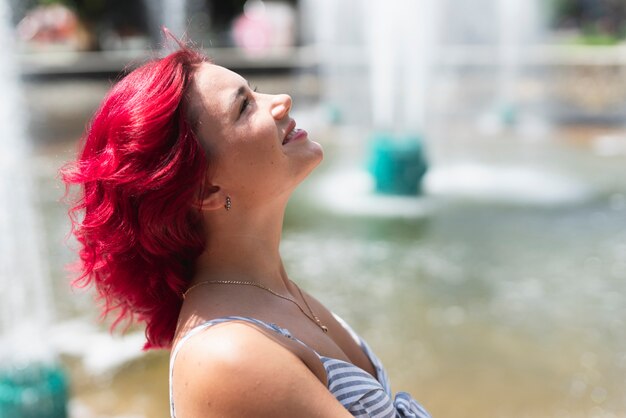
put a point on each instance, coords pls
(312, 317)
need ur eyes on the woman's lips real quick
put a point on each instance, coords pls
(294, 135)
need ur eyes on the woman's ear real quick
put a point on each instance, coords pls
(212, 198)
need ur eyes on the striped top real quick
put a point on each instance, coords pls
(361, 394)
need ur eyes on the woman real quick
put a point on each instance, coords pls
(185, 173)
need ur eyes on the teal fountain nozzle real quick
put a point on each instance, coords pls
(33, 390)
(508, 114)
(398, 163)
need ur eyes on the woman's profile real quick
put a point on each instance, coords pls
(185, 172)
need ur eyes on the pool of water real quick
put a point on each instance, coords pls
(477, 306)
(484, 311)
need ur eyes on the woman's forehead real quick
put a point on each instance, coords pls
(217, 77)
(216, 86)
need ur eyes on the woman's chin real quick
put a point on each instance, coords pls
(316, 150)
(317, 155)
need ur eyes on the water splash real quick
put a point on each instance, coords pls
(506, 184)
(25, 302)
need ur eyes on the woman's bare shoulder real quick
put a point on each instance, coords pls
(234, 369)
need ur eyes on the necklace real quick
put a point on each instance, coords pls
(312, 317)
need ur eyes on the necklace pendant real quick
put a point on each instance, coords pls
(324, 328)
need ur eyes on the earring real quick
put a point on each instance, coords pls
(227, 205)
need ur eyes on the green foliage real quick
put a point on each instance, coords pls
(561, 10)
(597, 40)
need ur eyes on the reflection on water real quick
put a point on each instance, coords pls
(478, 307)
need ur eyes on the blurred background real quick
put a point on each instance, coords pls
(469, 219)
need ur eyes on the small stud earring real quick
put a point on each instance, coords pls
(227, 205)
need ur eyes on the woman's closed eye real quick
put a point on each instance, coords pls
(246, 102)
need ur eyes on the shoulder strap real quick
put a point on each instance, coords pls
(199, 328)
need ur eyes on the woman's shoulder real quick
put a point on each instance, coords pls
(223, 345)
(236, 367)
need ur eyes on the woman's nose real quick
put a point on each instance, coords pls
(281, 104)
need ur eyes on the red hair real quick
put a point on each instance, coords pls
(139, 169)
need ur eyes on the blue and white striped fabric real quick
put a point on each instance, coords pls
(360, 393)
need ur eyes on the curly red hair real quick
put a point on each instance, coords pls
(139, 169)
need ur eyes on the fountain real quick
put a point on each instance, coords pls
(400, 56)
(31, 384)
(489, 145)
(375, 63)
(451, 91)
(517, 26)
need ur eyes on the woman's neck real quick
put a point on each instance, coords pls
(245, 248)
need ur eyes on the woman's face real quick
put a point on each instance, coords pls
(255, 152)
